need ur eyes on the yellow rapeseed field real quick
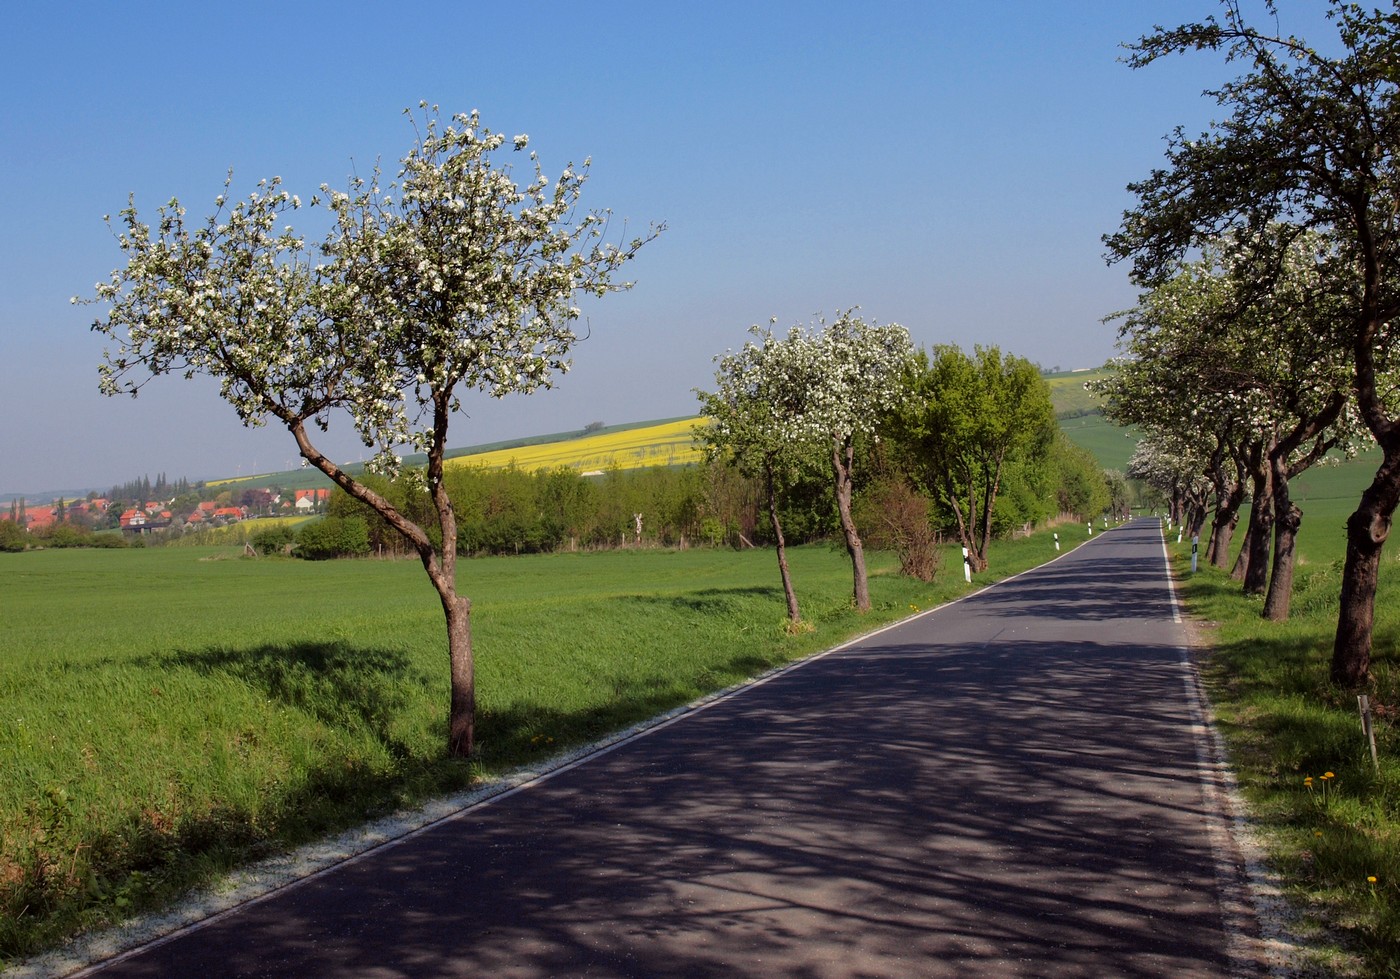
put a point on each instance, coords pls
(667, 444)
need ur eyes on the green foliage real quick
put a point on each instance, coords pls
(273, 540)
(333, 537)
(966, 421)
(12, 536)
(1082, 487)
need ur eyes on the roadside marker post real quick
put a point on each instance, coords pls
(1363, 702)
(967, 567)
(1057, 542)
(1195, 544)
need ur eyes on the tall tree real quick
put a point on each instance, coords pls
(758, 422)
(964, 419)
(452, 276)
(860, 370)
(1311, 139)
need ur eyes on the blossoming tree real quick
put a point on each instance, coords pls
(451, 277)
(757, 423)
(783, 401)
(1308, 135)
(1249, 365)
(860, 369)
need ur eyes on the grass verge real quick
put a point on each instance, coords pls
(167, 715)
(1329, 818)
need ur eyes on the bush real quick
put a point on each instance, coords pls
(13, 537)
(273, 540)
(65, 535)
(333, 537)
(892, 515)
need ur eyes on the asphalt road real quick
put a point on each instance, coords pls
(1009, 786)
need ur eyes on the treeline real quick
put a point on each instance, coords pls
(514, 511)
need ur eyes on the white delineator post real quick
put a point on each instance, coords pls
(1057, 542)
(967, 567)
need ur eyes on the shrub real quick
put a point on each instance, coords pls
(333, 537)
(891, 514)
(273, 540)
(13, 537)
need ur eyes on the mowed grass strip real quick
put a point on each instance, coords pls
(1335, 841)
(168, 714)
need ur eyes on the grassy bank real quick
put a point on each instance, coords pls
(1334, 839)
(167, 714)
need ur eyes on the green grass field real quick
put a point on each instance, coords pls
(1339, 852)
(171, 713)
(1110, 445)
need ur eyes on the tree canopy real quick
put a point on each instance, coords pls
(451, 276)
(1311, 141)
(965, 418)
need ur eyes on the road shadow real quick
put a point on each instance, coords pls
(904, 807)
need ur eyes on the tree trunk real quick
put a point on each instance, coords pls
(1287, 516)
(1227, 518)
(1241, 567)
(1367, 530)
(965, 522)
(1256, 575)
(794, 615)
(1261, 522)
(439, 563)
(461, 718)
(989, 499)
(842, 457)
(1287, 519)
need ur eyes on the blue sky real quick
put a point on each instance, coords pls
(948, 166)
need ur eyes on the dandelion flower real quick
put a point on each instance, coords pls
(1371, 879)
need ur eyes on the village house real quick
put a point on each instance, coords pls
(309, 499)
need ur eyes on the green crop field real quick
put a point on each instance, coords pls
(1110, 445)
(169, 713)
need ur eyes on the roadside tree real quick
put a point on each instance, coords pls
(858, 380)
(965, 418)
(757, 422)
(1313, 139)
(452, 276)
(1251, 368)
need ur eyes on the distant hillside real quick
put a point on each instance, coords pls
(1068, 394)
(651, 443)
(667, 442)
(1081, 416)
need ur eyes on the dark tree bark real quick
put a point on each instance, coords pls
(1367, 530)
(842, 458)
(1287, 519)
(1261, 521)
(788, 594)
(1287, 516)
(1227, 518)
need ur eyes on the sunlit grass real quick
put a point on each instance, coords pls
(1330, 817)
